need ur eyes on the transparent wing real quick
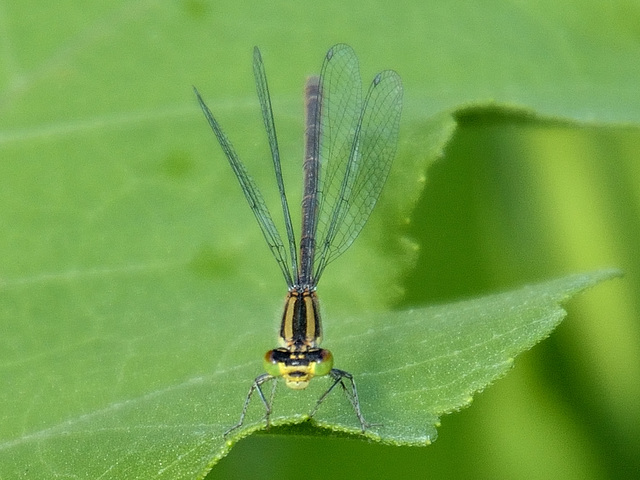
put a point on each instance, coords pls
(267, 116)
(252, 194)
(359, 175)
(341, 106)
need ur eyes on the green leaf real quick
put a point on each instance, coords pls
(413, 366)
(139, 411)
(136, 297)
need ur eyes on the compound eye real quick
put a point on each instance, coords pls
(324, 363)
(271, 365)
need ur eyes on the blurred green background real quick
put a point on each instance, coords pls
(541, 178)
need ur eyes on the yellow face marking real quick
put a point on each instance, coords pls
(298, 368)
(297, 381)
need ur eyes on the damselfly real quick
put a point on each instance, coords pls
(350, 143)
